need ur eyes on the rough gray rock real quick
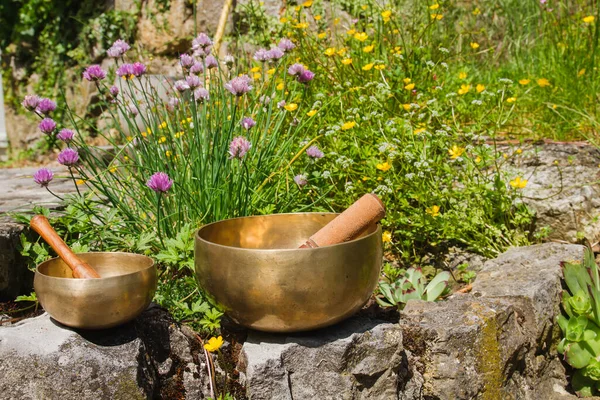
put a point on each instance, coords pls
(151, 357)
(356, 359)
(496, 343)
(562, 187)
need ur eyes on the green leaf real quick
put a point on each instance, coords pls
(577, 355)
(582, 385)
(576, 328)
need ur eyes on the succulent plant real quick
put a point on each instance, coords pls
(580, 323)
(413, 285)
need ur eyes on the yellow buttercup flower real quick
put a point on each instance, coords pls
(518, 183)
(480, 88)
(351, 32)
(384, 167)
(311, 113)
(347, 61)
(589, 19)
(456, 152)
(434, 6)
(330, 51)
(168, 153)
(524, 81)
(364, 7)
(162, 139)
(581, 72)
(519, 151)
(291, 107)
(307, 3)
(348, 125)
(437, 16)
(474, 45)
(387, 15)
(476, 11)
(410, 86)
(420, 130)
(462, 75)
(406, 80)
(368, 49)
(213, 344)
(255, 69)
(271, 71)
(543, 82)
(280, 86)
(283, 20)
(380, 67)
(386, 237)
(361, 36)
(318, 17)
(336, 21)
(178, 134)
(367, 67)
(406, 106)
(477, 160)
(163, 125)
(341, 51)
(301, 25)
(256, 76)
(322, 35)
(464, 89)
(511, 99)
(434, 211)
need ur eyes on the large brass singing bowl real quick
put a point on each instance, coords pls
(125, 289)
(253, 268)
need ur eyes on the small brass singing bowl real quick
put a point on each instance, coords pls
(125, 289)
(253, 268)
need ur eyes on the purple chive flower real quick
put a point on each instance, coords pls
(68, 157)
(193, 81)
(30, 102)
(239, 85)
(160, 182)
(197, 68)
(133, 110)
(181, 86)
(118, 48)
(211, 62)
(264, 99)
(94, 73)
(261, 55)
(248, 123)
(125, 70)
(296, 69)
(173, 103)
(239, 147)
(66, 135)
(300, 180)
(186, 61)
(305, 76)
(46, 106)
(202, 41)
(114, 91)
(314, 152)
(139, 69)
(47, 125)
(43, 176)
(201, 94)
(286, 45)
(275, 53)
(281, 104)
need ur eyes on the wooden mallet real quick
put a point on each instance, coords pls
(80, 268)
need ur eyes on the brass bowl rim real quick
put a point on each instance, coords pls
(198, 237)
(152, 265)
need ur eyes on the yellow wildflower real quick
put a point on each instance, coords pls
(455, 152)
(386, 237)
(524, 81)
(476, 11)
(480, 88)
(464, 89)
(477, 160)
(301, 25)
(380, 67)
(387, 15)
(434, 6)
(311, 113)
(518, 183)
(406, 106)
(178, 134)
(291, 107)
(229, 117)
(589, 19)
(330, 51)
(162, 139)
(280, 86)
(519, 151)
(214, 344)
(80, 182)
(581, 72)
(341, 51)
(271, 71)
(364, 6)
(307, 3)
(384, 167)
(406, 80)
(168, 153)
(361, 36)
(129, 138)
(420, 130)
(113, 170)
(410, 86)
(336, 21)
(351, 32)
(322, 35)
(474, 45)
(347, 61)
(434, 211)
(256, 76)
(283, 20)
(348, 125)
(543, 82)
(255, 69)
(318, 17)
(437, 16)
(462, 75)
(511, 99)
(163, 125)
(368, 49)
(367, 67)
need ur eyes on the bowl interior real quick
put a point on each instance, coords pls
(276, 231)
(107, 264)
